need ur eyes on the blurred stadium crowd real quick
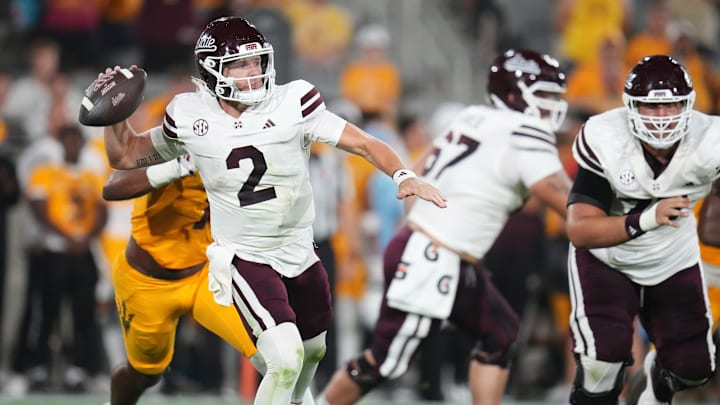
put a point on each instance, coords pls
(400, 69)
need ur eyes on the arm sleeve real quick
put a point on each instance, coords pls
(168, 148)
(591, 189)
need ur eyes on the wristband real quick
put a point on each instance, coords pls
(401, 175)
(632, 225)
(163, 173)
(638, 223)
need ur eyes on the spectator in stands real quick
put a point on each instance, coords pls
(372, 80)
(684, 49)
(654, 38)
(704, 16)
(32, 95)
(584, 24)
(334, 212)
(67, 201)
(321, 35)
(596, 85)
(9, 194)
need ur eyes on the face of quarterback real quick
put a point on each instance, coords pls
(247, 73)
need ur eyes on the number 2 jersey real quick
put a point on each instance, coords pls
(606, 147)
(484, 165)
(255, 169)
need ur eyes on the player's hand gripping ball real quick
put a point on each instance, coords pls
(112, 97)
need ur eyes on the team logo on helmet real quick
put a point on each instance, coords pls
(517, 62)
(630, 79)
(206, 43)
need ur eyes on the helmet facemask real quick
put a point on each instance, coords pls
(227, 88)
(549, 109)
(659, 132)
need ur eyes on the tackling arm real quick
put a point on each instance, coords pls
(127, 184)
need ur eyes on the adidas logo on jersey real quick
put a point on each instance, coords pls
(268, 124)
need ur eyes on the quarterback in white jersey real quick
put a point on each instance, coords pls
(490, 161)
(634, 243)
(250, 140)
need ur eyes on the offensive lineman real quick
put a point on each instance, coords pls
(489, 162)
(250, 140)
(634, 242)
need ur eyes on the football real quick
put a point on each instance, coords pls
(112, 97)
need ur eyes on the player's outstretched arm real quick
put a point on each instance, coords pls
(127, 184)
(382, 156)
(553, 191)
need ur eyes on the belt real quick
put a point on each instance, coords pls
(139, 259)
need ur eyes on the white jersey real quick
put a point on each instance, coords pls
(484, 166)
(255, 169)
(606, 147)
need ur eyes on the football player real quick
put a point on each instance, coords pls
(250, 140)
(490, 161)
(162, 274)
(634, 242)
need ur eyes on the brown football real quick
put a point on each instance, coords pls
(112, 97)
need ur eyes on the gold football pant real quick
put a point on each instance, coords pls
(149, 310)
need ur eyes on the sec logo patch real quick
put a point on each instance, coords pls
(627, 177)
(200, 127)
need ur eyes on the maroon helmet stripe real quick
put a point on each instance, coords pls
(309, 95)
(312, 107)
(168, 132)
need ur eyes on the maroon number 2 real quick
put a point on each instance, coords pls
(247, 194)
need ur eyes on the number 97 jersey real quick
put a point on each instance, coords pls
(255, 169)
(484, 164)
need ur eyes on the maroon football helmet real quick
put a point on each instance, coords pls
(659, 79)
(227, 40)
(517, 75)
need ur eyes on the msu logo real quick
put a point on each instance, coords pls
(517, 62)
(205, 43)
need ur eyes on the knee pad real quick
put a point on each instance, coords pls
(315, 348)
(282, 349)
(501, 357)
(597, 382)
(665, 383)
(364, 374)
